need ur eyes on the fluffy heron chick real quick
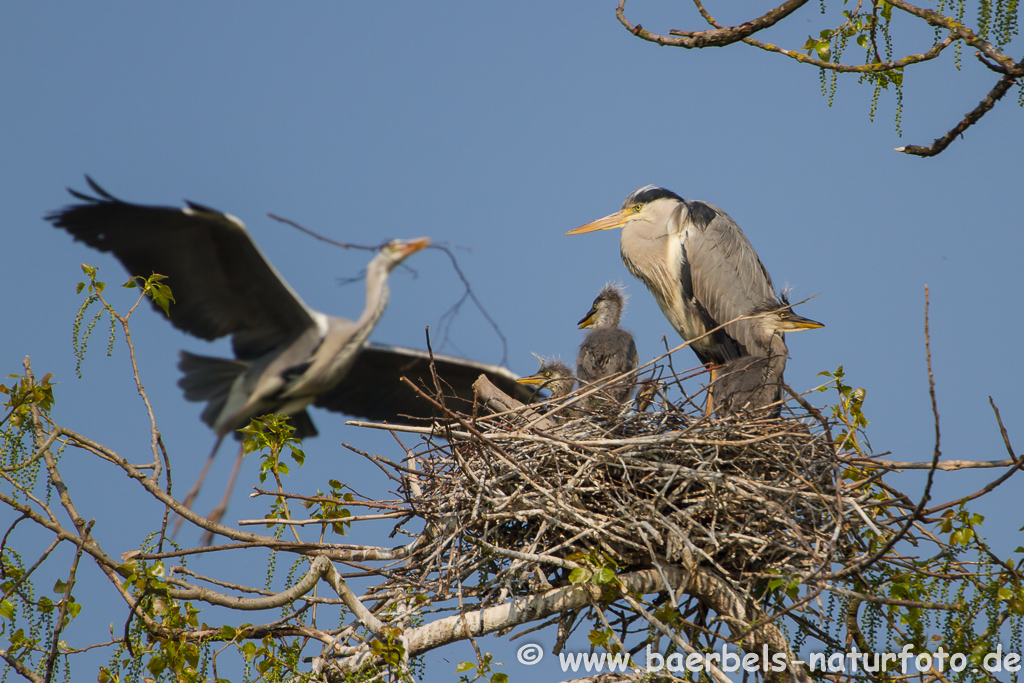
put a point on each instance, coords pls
(608, 349)
(751, 385)
(553, 375)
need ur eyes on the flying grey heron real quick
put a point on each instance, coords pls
(553, 375)
(702, 271)
(287, 355)
(751, 385)
(608, 349)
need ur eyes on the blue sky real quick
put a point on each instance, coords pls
(494, 128)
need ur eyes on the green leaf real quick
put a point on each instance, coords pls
(579, 575)
(862, 40)
(6, 609)
(464, 666)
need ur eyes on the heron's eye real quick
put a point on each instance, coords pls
(636, 208)
(547, 374)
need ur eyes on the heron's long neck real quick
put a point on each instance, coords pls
(376, 299)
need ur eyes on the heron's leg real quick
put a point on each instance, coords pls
(191, 496)
(217, 513)
(709, 407)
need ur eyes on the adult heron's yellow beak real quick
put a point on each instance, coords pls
(412, 246)
(615, 220)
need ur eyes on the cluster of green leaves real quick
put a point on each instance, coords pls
(26, 621)
(272, 434)
(23, 395)
(273, 659)
(860, 26)
(960, 525)
(153, 287)
(848, 412)
(866, 29)
(39, 613)
(163, 658)
(988, 592)
(483, 670)
(331, 508)
(598, 568)
(788, 586)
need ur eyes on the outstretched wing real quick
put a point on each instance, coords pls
(221, 282)
(372, 388)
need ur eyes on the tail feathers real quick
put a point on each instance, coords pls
(210, 379)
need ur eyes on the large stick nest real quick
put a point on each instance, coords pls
(748, 497)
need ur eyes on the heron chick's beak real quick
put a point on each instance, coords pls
(615, 220)
(589, 320)
(791, 322)
(533, 380)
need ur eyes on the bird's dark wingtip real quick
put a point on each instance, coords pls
(101, 194)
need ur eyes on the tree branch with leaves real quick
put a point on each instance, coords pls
(870, 26)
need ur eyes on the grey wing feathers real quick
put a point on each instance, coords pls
(728, 277)
(220, 281)
(372, 388)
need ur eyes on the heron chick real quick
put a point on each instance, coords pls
(608, 350)
(751, 385)
(703, 272)
(553, 375)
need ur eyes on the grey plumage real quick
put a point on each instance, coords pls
(702, 271)
(751, 385)
(608, 349)
(287, 355)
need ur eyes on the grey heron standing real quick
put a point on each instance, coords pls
(288, 356)
(608, 349)
(703, 272)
